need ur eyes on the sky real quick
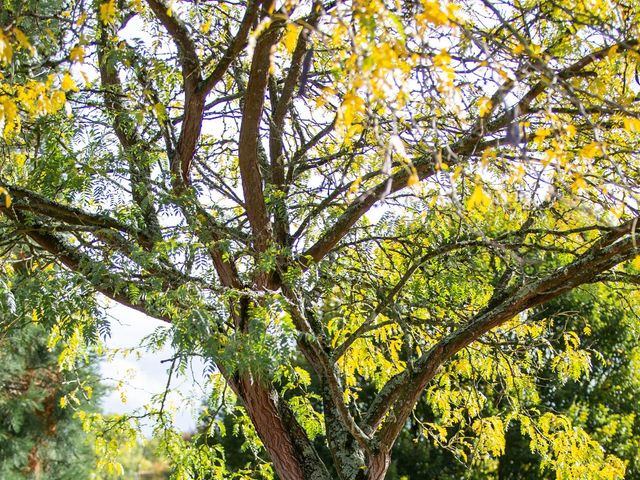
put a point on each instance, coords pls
(142, 373)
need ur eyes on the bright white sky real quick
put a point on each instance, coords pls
(142, 373)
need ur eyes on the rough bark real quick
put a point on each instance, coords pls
(291, 452)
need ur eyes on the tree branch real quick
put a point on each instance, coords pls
(399, 396)
(126, 130)
(194, 97)
(235, 47)
(365, 326)
(105, 282)
(250, 136)
(23, 199)
(425, 166)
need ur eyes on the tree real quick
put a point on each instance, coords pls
(40, 437)
(375, 193)
(602, 402)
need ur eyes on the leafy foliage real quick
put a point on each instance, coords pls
(42, 386)
(347, 208)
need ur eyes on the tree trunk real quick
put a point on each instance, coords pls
(378, 466)
(292, 454)
(262, 410)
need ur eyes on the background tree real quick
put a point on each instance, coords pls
(41, 437)
(374, 192)
(141, 462)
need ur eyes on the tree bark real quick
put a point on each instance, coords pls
(292, 454)
(263, 411)
(378, 466)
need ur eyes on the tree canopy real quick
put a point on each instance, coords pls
(349, 209)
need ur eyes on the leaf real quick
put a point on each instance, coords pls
(290, 37)
(484, 106)
(479, 200)
(631, 124)
(6, 50)
(68, 83)
(77, 54)
(23, 41)
(205, 27)
(442, 59)
(108, 12)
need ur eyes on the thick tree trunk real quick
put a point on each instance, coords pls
(289, 449)
(264, 414)
(378, 466)
(348, 459)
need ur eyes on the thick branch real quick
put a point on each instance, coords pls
(276, 130)
(194, 97)
(401, 393)
(23, 199)
(250, 136)
(292, 454)
(126, 130)
(105, 282)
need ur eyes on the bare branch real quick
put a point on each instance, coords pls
(250, 136)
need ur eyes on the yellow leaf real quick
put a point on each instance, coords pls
(352, 106)
(413, 179)
(591, 150)
(488, 155)
(20, 159)
(6, 51)
(290, 37)
(108, 12)
(68, 83)
(631, 124)
(434, 13)
(442, 59)
(9, 116)
(484, 106)
(479, 199)
(636, 262)
(23, 41)
(541, 134)
(579, 183)
(204, 28)
(571, 130)
(77, 54)
(535, 49)
(354, 186)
